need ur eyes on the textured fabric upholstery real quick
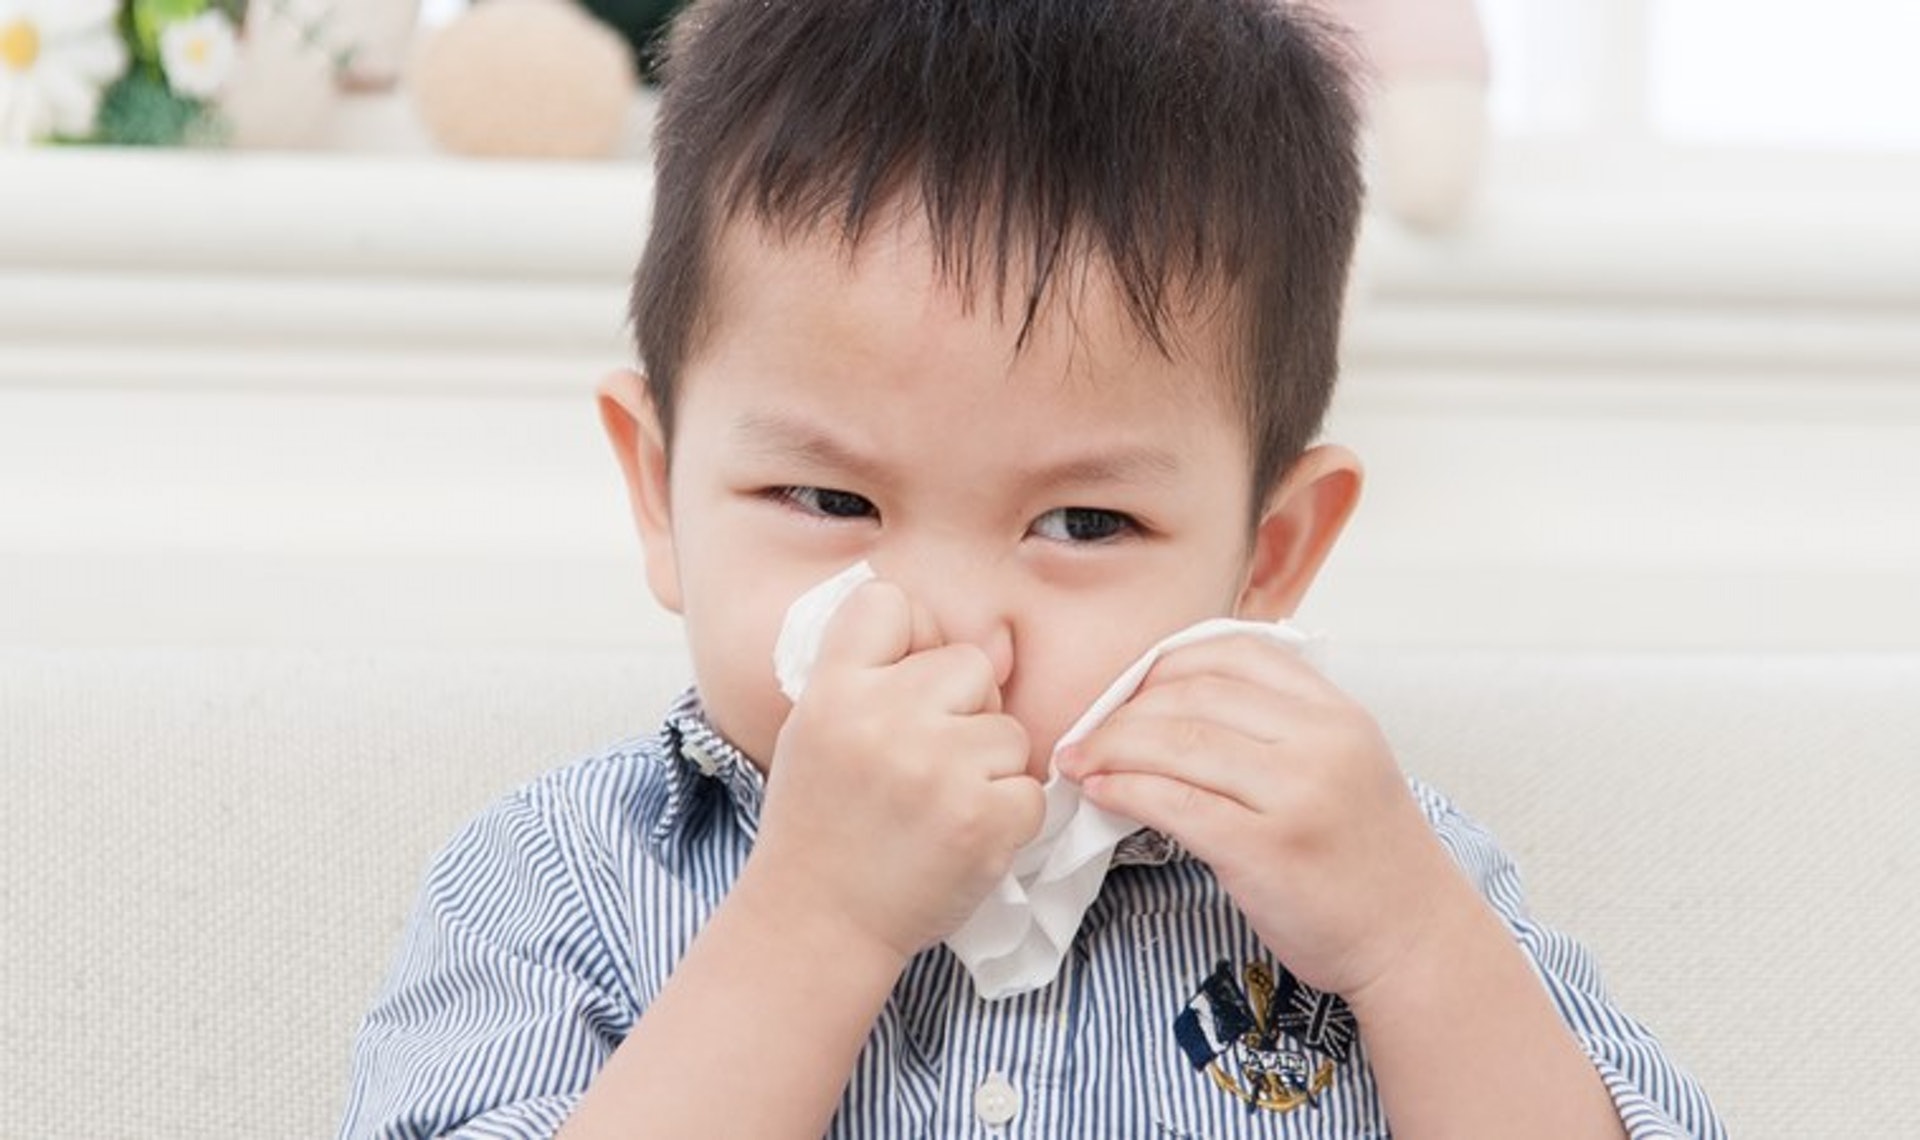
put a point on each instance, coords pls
(208, 855)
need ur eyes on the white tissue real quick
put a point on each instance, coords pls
(799, 642)
(1019, 935)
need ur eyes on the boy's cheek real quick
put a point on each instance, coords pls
(1048, 716)
(732, 658)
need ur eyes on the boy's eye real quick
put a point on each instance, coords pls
(828, 503)
(1083, 524)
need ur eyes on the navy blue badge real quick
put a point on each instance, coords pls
(1274, 1044)
(1215, 1020)
(1322, 1022)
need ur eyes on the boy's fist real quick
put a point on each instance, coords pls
(898, 792)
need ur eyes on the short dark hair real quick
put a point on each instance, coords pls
(1201, 148)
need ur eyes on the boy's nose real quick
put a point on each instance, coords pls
(969, 604)
(995, 639)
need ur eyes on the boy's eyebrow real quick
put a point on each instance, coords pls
(1123, 465)
(784, 437)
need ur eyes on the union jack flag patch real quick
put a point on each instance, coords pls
(1273, 1042)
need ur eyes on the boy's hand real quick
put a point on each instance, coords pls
(898, 792)
(1285, 787)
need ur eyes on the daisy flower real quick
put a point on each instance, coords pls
(197, 54)
(56, 56)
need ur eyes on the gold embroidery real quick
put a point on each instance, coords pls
(1269, 1078)
(1270, 1092)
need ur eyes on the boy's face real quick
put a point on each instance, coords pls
(1063, 505)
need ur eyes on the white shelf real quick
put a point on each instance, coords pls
(346, 398)
(1734, 267)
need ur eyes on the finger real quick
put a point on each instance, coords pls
(926, 629)
(873, 626)
(1190, 750)
(956, 678)
(996, 745)
(1255, 711)
(1247, 658)
(1202, 822)
(1020, 805)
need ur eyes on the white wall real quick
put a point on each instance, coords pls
(285, 399)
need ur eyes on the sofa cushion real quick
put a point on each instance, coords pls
(209, 854)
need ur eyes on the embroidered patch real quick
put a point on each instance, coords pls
(1274, 1044)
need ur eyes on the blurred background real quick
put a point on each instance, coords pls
(1634, 354)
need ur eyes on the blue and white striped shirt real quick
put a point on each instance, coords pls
(547, 926)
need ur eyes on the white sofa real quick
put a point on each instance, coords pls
(208, 855)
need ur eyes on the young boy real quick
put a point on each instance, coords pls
(1032, 305)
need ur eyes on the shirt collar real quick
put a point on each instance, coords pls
(700, 762)
(1147, 847)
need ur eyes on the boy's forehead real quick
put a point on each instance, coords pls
(897, 259)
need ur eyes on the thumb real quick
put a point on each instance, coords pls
(876, 625)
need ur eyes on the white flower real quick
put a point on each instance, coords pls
(197, 54)
(56, 56)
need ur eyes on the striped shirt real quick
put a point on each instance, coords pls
(549, 923)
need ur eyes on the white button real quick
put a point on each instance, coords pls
(702, 759)
(996, 1101)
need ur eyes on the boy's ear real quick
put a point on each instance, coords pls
(640, 446)
(1303, 517)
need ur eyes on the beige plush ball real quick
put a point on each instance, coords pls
(529, 78)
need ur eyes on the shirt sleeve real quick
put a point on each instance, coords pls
(1656, 1099)
(503, 1000)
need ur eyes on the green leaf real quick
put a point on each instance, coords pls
(151, 17)
(140, 110)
